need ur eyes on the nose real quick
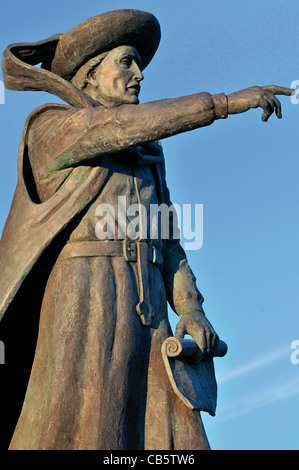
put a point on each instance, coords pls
(137, 73)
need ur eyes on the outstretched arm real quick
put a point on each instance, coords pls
(78, 135)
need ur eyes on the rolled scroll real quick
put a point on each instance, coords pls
(187, 348)
(192, 374)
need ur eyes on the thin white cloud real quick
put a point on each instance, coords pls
(280, 392)
(254, 365)
(250, 402)
(238, 406)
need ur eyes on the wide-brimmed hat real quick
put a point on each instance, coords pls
(101, 34)
(62, 55)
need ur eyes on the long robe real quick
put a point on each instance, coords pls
(98, 381)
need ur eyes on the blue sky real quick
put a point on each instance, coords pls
(244, 172)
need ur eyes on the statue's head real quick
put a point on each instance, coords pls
(105, 55)
(112, 78)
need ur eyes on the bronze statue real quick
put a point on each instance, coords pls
(98, 379)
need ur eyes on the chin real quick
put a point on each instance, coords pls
(119, 101)
(131, 100)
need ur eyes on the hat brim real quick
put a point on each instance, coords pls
(103, 33)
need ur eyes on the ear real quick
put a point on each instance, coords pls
(90, 78)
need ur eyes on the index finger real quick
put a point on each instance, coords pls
(279, 90)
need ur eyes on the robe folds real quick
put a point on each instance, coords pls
(97, 379)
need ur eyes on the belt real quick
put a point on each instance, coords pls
(131, 251)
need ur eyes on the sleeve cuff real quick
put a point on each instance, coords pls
(186, 306)
(220, 106)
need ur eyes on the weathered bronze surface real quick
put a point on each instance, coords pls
(99, 308)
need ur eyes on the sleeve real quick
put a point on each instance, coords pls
(74, 136)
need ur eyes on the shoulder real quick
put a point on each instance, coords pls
(49, 121)
(46, 111)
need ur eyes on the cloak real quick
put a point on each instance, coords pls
(29, 230)
(26, 249)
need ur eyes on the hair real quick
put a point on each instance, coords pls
(80, 79)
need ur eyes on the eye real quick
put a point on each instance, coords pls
(127, 61)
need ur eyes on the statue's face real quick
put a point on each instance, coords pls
(117, 78)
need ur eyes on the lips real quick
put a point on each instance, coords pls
(134, 87)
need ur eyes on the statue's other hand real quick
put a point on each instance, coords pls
(198, 326)
(258, 96)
